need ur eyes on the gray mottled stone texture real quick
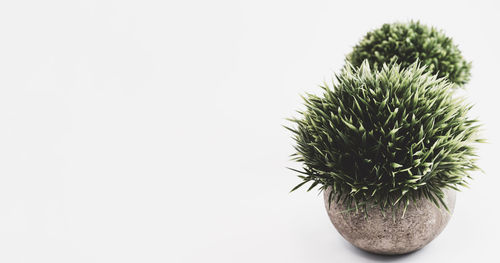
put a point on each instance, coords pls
(422, 222)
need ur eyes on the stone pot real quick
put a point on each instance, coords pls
(422, 222)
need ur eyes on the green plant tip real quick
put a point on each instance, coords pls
(406, 43)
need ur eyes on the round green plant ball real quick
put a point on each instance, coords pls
(385, 137)
(406, 43)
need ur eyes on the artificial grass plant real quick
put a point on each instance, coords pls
(406, 43)
(385, 137)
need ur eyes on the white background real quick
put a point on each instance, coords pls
(151, 131)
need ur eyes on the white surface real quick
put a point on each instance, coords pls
(150, 131)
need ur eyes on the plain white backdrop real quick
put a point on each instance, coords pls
(151, 131)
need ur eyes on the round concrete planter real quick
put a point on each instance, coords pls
(422, 222)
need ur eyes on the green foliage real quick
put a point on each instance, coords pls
(405, 43)
(385, 137)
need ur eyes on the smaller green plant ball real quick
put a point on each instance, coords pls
(406, 43)
(385, 137)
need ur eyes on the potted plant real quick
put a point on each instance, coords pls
(388, 148)
(406, 43)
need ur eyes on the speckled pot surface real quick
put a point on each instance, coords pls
(422, 222)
